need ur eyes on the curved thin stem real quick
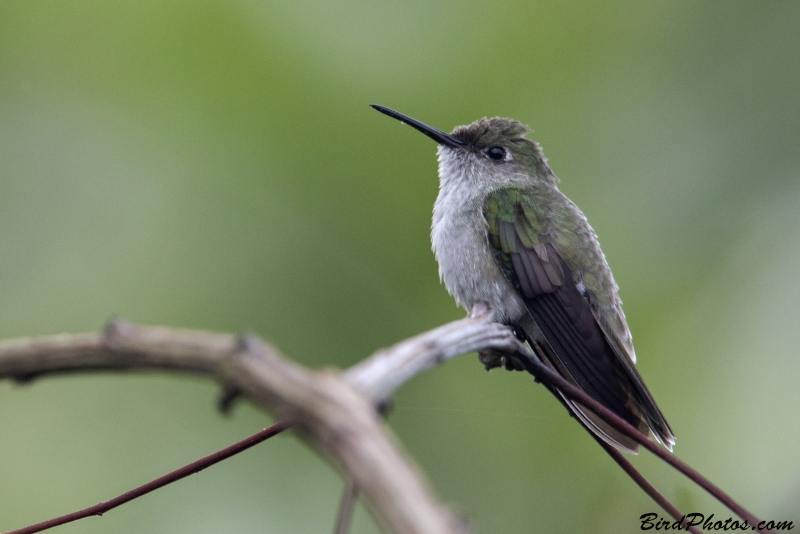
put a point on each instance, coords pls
(546, 375)
(185, 471)
(643, 483)
(313, 399)
(344, 516)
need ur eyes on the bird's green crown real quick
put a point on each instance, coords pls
(510, 134)
(486, 132)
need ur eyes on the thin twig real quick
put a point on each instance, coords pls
(546, 375)
(344, 516)
(395, 370)
(183, 472)
(335, 418)
(643, 483)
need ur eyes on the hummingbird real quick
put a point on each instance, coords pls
(506, 236)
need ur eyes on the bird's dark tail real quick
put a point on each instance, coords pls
(630, 411)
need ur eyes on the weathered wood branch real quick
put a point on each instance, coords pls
(334, 411)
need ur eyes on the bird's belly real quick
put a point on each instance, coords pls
(469, 271)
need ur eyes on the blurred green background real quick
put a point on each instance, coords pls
(214, 164)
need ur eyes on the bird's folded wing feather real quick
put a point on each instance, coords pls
(574, 344)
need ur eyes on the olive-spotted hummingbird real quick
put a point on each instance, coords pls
(505, 236)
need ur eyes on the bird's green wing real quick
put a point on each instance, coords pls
(573, 342)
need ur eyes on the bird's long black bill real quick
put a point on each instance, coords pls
(437, 135)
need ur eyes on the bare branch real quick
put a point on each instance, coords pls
(332, 415)
(548, 376)
(344, 515)
(646, 486)
(380, 375)
(334, 411)
(160, 482)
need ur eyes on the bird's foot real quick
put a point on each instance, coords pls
(492, 359)
(479, 310)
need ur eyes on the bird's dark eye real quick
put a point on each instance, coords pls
(496, 153)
